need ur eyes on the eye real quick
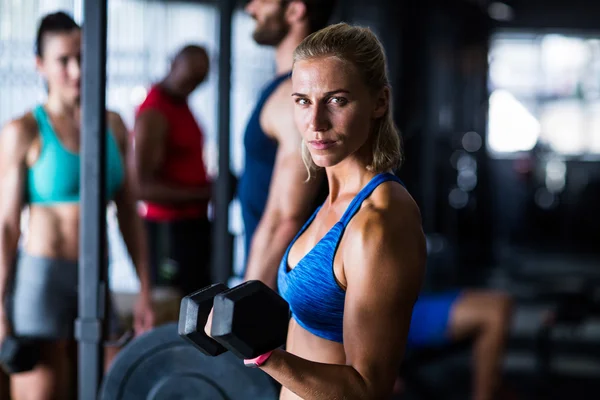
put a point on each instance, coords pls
(301, 101)
(338, 100)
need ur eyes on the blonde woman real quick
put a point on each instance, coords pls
(353, 272)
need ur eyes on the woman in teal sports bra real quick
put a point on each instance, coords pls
(40, 169)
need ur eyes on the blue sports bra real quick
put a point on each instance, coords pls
(316, 300)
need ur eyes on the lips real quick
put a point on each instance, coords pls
(322, 144)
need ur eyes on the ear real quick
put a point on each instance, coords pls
(295, 11)
(39, 65)
(382, 102)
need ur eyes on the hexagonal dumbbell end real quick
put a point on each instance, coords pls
(250, 319)
(193, 315)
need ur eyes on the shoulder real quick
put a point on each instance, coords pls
(153, 109)
(285, 87)
(150, 119)
(390, 209)
(19, 133)
(153, 103)
(117, 126)
(115, 122)
(153, 96)
(280, 97)
(283, 94)
(280, 115)
(388, 225)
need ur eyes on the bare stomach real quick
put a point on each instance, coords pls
(53, 232)
(310, 347)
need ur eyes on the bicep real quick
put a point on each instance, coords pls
(384, 271)
(13, 148)
(149, 133)
(12, 199)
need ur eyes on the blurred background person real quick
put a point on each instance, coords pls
(40, 169)
(171, 176)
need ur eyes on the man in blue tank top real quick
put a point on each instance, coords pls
(276, 200)
(274, 197)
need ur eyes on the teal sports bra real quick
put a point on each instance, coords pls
(54, 177)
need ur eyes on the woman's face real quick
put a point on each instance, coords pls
(60, 64)
(334, 109)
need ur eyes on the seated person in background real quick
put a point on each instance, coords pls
(171, 177)
(484, 316)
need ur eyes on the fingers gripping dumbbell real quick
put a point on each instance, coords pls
(248, 320)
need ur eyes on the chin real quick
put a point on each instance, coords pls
(325, 162)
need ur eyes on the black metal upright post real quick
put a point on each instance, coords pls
(92, 251)
(222, 245)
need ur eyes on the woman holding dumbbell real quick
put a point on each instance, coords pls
(39, 168)
(354, 271)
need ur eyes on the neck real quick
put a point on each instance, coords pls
(58, 107)
(347, 177)
(170, 88)
(284, 52)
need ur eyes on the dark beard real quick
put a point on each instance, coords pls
(269, 38)
(272, 32)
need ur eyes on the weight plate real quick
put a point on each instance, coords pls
(160, 365)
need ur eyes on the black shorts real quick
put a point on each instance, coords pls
(180, 253)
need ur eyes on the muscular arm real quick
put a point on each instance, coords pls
(288, 204)
(15, 140)
(130, 223)
(150, 139)
(384, 258)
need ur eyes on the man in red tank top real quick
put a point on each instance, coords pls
(171, 177)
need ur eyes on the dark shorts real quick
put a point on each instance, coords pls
(180, 253)
(430, 318)
(43, 302)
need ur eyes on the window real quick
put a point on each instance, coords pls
(545, 89)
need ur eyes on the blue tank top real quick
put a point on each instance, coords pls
(54, 177)
(260, 152)
(316, 300)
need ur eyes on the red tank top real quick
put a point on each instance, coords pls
(183, 162)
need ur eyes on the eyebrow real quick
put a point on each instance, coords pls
(326, 94)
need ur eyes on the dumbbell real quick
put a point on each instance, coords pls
(193, 315)
(18, 355)
(248, 320)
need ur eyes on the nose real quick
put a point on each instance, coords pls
(319, 120)
(74, 69)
